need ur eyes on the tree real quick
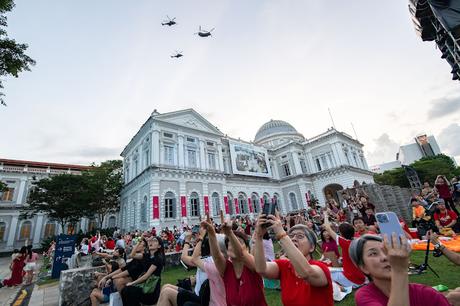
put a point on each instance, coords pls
(3, 186)
(62, 197)
(427, 169)
(105, 183)
(13, 59)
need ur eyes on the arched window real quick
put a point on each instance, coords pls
(293, 200)
(215, 203)
(194, 205)
(26, 228)
(112, 222)
(266, 197)
(255, 202)
(242, 203)
(144, 210)
(276, 199)
(50, 229)
(92, 225)
(231, 204)
(170, 205)
(2, 231)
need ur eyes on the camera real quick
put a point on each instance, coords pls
(382, 218)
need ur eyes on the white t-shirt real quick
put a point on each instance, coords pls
(201, 276)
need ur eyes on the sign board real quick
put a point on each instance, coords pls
(248, 159)
(65, 248)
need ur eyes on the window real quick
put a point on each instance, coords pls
(190, 139)
(331, 162)
(255, 203)
(50, 229)
(215, 203)
(242, 203)
(112, 222)
(191, 156)
(303, 166)
(324, 162)
(26, 228)
(211, 144)
(170, 205)
(168, 135)
(230, 203)
(348, 158)
(7, 195)
(2, 231)
(136, 166)
(276, 200)
(92, 225)
(293, 200)
(144, 210)
(318, 164)
(146, 158)
(127, 174)
(169, 155)
(211, 160)
(194, 205)
(355, 159)
(286, 170)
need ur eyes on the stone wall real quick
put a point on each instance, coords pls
(75, 285)
(390, 198)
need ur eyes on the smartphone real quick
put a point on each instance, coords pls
(195, 229)
(389, 223)
(269, 209)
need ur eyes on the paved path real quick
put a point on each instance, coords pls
(7, 294)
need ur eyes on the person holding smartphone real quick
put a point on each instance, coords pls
(385, 262)
(302, 279)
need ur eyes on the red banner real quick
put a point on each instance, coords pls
(237, 209)
(250, 205)
(206, 205)
(307, 196)
(226, 204)
(261, 204)
(183, 205)
(156, 207)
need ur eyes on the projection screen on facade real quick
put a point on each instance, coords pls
(250, 160)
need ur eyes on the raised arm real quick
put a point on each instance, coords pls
(144, 277)
(264, 268)
(309, 273)
(185, 257)
(328, 228)
(451, 255)
(219, 259)
(398, 257)
(196, 260)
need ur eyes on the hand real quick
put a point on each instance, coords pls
(226, 226)
(433, 237)
(397, 253)
(260, 228)
(102, 283)
(208, 226)
(202, 232)
(275, 224)
(129, 284)
(454, 297)
(188, 236)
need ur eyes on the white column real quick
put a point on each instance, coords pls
(12, 231)
(22, 186)
(38, 230)
(220, 157)
(303, 191)
(202, 155)
(297, 167)
(336, 148)
(310, 162)
(155, 147)
(181, 150)
(274, 168)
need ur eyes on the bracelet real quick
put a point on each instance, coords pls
(281, 236)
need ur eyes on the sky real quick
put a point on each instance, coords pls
(104, 66)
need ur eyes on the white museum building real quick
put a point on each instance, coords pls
(179, 167)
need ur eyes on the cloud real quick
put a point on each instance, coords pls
(449, 139)
(443, 107)
(385, 150)
(97, 152)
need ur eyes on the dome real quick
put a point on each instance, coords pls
(275, 127)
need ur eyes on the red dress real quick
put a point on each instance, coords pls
(16, 273)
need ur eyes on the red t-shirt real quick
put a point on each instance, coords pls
(445, 218)
(296, 292)
(110, 244)
(444, 191)
(350, 271)
(366, 232)
(248, 290)
(419, 294)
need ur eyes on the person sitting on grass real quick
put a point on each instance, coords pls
(385, 262)
(302, 280)
(243, 286)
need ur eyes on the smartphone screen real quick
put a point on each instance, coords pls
(389, 223)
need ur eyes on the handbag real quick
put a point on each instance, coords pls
(150, 284)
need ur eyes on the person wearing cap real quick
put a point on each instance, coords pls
(303, 281)
(445, 218)
(385, 262)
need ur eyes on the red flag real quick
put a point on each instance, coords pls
(237, 209)
(250, 205)
(206, 205)
(183, 205)
(156, 207)
(226, 204)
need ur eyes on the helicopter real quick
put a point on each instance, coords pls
(169, 22)
(177, 54)
(204, 33)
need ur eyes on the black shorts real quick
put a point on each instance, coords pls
(184, 296)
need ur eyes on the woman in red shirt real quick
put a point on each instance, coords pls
(444, 218)
(243, 286)
(443, 188)
(303, 281)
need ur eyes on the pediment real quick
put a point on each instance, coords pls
(189, 119)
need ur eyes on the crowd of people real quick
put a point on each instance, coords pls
(23, 265)
(326, 253)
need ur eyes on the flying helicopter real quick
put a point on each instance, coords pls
(177, 54)
(169, 22)
(204, 33)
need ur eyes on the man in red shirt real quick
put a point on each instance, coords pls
(445, 217)
(360, 227)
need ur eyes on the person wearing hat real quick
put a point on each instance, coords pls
(385, 262)
(302, 279)
(444, 218)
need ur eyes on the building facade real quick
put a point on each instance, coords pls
(179, 167)
(19, 176)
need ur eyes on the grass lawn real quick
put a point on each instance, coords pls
(449, 273)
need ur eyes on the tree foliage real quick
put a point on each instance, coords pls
(3, 186)
(13, 59)
(104, 186)
(427, 169)
(64, 198)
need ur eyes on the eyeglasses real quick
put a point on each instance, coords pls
(297, 236)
